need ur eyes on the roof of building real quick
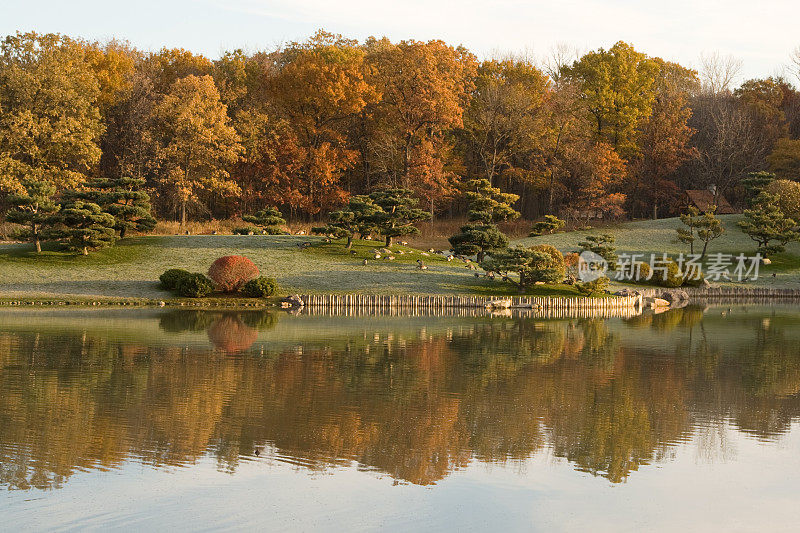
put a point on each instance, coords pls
(703, 199)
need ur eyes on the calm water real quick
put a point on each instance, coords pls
(159, 420)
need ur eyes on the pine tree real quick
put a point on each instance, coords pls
(754, 183)
(357, 217)
(397, 213)
(84, 226)
(487, 206)
(269, 220)
(765, 223)
(33, 209)
(550, 224)
(122, 198)
(602, 245)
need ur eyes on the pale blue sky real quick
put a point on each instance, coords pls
(762, 34)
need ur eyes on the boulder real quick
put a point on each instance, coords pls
(292, 301)
(655, 303)
(674, 296)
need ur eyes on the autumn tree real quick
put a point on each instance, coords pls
(664, 142)
(196, 142)
(424, 88)
(504, 118)
(596, 183)
(618, 88)
(784, 160)
(319, 87)
(49, 119)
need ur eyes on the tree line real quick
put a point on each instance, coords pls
(306, 127)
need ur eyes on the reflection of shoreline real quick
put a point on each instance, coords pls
(410, 401)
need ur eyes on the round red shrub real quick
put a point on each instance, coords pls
(229, 273)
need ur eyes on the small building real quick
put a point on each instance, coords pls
(703, 199)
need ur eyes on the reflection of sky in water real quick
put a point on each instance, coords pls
(756, 491)
(683, 420)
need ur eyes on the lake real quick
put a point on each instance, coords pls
(160, 419)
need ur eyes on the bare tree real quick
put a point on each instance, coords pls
(561, 55)
(795, 66)
(718, 72)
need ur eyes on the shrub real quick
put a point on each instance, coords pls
(594, 287)
(259, 288)
(788, 193)
(170, 279)
(230, 272)
(558, 265)
(246, 230)
(195, 286)
(641, 272)
(673, 277)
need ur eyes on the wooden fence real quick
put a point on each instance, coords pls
(430, 303)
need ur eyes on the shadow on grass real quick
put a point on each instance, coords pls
(95, 287)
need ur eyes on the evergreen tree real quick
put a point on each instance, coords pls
(33, 209)
(529, 265)
(754, 183)
(765, 223)
(602, 245)
(358, 217)
(397, 213)
(269, 220)
(690, 219)
(550, 224)
(487, 206)
(84, 225)
(122, 198)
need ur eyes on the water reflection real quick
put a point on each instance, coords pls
(416, 399)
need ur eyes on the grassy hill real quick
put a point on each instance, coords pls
(131, 268)
(658, 236)
(309, 265)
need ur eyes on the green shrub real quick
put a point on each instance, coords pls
(195, 286)
(172, 277)
(673, 278)
(246, 230)
(641, 272)
(259, 288)
(558, 265)
(593, 288)
(688, 282)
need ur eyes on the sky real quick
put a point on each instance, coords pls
(762, 34)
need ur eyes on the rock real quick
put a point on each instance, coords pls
(499, 304)
(162, 303)
(766, 261)
(674, 296)
(627, 292)
(655, 303)
(293, 301)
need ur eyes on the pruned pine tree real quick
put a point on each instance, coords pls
(33, 209)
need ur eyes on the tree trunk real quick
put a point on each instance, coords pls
(388, 241)
(85, 250)
(703, 254)
(38, 244)
(479, 256)
(349, 242)
(655, 211)
(183, 213)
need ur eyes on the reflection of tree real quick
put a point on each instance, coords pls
(414, 404)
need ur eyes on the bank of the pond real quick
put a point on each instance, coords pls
(300, 264)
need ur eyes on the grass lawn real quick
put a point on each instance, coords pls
(658, 236)
(131, 268)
